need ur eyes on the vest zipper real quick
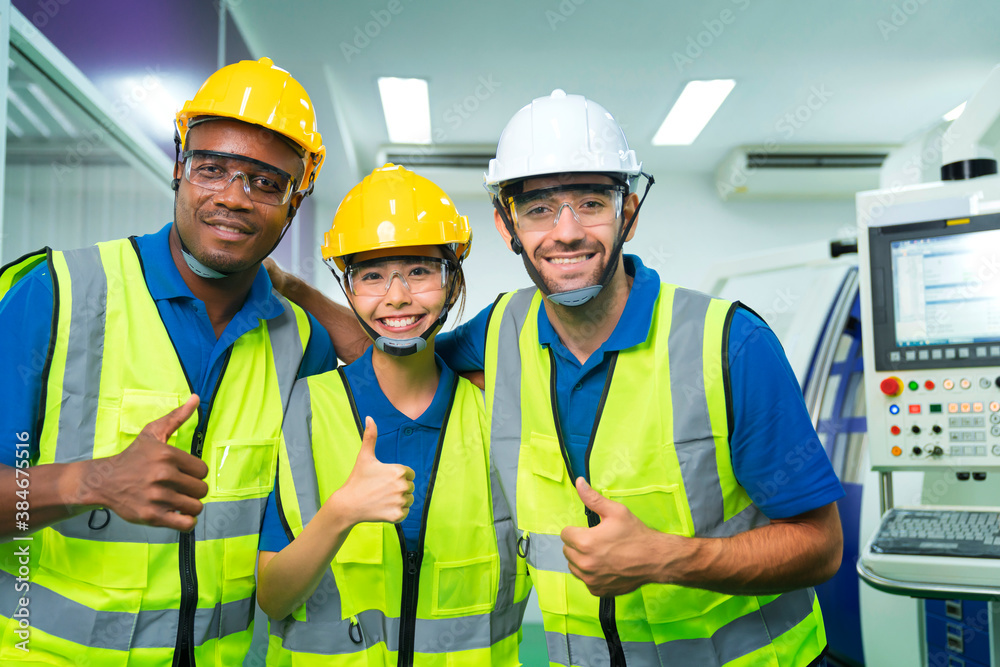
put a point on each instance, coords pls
(188, 568)
(606, 609)
(413, 559)
(408, 608)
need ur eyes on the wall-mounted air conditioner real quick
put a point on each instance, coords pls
(788, 172)
(458, 169)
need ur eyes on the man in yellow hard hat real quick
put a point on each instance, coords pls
(145, 447)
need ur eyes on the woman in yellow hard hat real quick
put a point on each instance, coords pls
(387, 540)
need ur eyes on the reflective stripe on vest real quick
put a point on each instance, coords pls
(665, 456)
(113, 369)
(463, 606)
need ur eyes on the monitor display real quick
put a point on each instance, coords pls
(947, 289)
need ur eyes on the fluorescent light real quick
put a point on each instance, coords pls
(696, 105)
(53, 110)
(407, 109)
(28, 114)
(14, 128)
(956, 112)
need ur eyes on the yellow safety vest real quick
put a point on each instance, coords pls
(456, 601)
(103, 591)
(660, 445)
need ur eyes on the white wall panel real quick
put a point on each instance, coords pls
(78, 207)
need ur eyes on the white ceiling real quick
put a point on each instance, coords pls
(875, 72)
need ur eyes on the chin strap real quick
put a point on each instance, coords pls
(581, 295)
(403, 347)
(193, 263)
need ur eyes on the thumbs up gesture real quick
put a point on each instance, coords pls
(375, 491)
(612, 558)
(151, 482)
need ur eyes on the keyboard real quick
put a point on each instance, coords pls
(952, 533)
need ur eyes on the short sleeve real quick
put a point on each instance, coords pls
(777, 456)
(319, 356)
(272, 532)
(464, 347)
(25, 330)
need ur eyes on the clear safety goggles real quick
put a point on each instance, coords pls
(263, 183)
(592, 204)
(418, 274)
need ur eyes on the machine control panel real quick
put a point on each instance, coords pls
(937, 417)
(931, 333)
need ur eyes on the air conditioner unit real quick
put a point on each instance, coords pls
(790, 172)
(458, 168)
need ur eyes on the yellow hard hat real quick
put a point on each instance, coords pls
(259, 93)
(395, 208)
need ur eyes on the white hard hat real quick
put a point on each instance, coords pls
(561, 134)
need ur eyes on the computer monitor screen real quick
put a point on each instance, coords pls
(947, 289)
(935, 290)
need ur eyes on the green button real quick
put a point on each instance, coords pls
(935, 407)
(913, 386)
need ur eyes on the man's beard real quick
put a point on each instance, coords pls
(556, 286)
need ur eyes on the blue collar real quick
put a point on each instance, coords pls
(633, 325)
(164, 281)
(432, 417)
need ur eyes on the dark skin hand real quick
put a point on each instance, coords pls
(157, 484)
(150, 483)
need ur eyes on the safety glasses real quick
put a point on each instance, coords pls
(591, 204)
(263, 183)
(418, 274)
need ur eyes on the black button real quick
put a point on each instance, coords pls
(979, 476)
(936, 428)
(915, 428)
(962, 476)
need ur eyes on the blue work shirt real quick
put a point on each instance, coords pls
(26, 317)
(776, 454)
(410, 442)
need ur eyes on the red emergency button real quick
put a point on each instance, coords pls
(892, 386)
(895, 430)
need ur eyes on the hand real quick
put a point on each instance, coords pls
(280, 278)
(151, 482)
(374, 491)
(609, 558)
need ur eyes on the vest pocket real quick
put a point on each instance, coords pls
(658, 506)
(359, 572)
(138, 408)
(465, 587)
(243, 468)
(551, 588)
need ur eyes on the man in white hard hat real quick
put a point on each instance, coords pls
(674, 502)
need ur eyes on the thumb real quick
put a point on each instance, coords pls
(164, 427)
(592, 499)
(368, 439)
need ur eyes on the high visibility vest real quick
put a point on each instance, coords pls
(100, 590)
(660, 446)
(457, 600)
